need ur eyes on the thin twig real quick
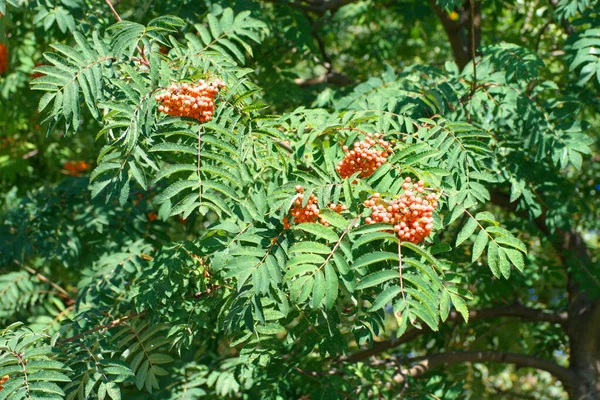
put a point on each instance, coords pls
(325, 59)
(337, 244)
(285, 146)
(110, 325)
(474, 83)
(423, 364)
(400, 270)
(144, 60)
(115, 13)
(526, 314)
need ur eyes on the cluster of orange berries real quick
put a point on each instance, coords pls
(364, 157)
(338, 208)
(194, 101)
(75, 168)
(411, 213)
(3, 381)
(310, 212)
(3, 58)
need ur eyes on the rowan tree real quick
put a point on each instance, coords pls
(299, 199)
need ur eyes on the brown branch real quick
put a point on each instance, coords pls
(428, 362)
(319, 7)
(110, 325)
(332, 77)
(385, 345)
(285, 145)
(115, 13)
(521, 312)
(325, 58)
(43, 278)
(517, 311)
(30, 154)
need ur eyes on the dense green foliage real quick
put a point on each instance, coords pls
(165, 267)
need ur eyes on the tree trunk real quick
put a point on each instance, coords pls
(583, 327)
(584, 360)
(585, 356)
(460, 30)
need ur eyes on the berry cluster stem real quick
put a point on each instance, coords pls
(198, 165)
(400, 270)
